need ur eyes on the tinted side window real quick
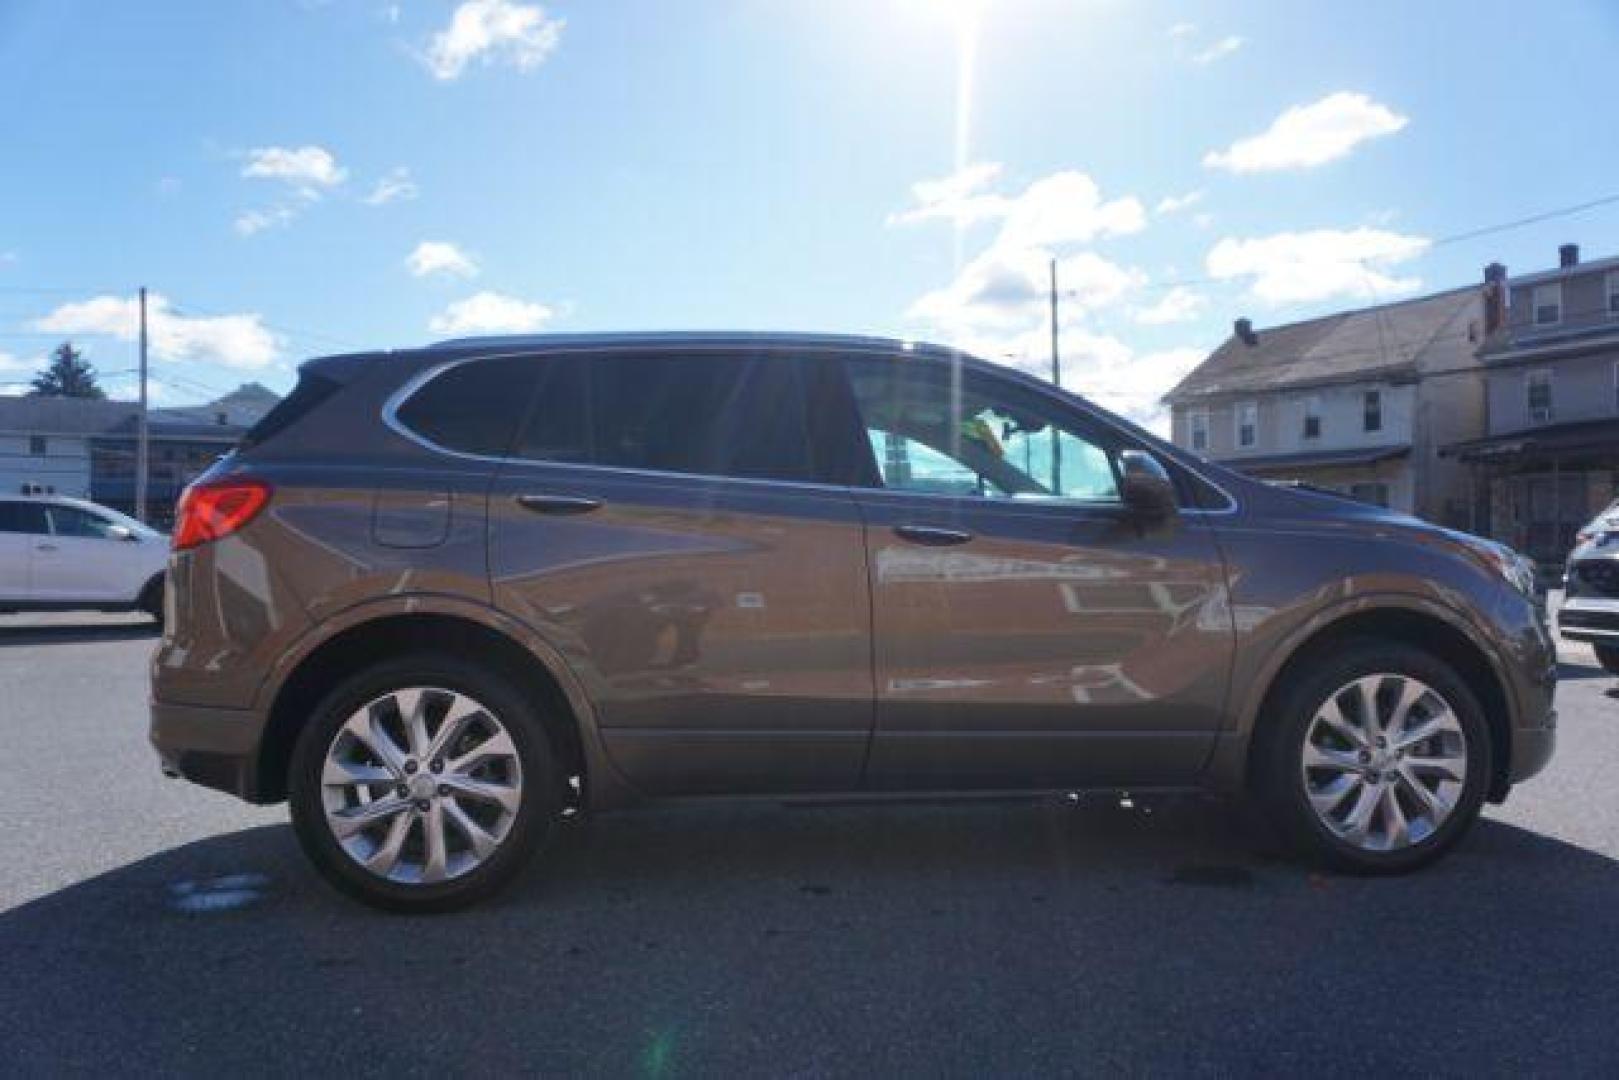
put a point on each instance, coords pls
(68, 521)
(558, 425)
(720, 416)
(708, 415)
(473, 408)
(21, 517)
(984, 437)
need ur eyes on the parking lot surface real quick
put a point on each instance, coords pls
(148, 925)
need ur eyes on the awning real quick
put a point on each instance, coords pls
(1580, 436)
(1318, 459)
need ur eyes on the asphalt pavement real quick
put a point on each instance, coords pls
(150, 926)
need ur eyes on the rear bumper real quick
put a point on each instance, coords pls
(217, 748)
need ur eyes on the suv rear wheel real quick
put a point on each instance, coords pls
(1376, 760)
(422, 784)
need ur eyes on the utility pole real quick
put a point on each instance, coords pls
(1056, 366)
(141, 433)
(1056, 380)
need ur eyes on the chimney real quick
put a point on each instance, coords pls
(1245, 331)
(1495, 298)
(1568, 255)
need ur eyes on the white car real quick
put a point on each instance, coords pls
(61, 554)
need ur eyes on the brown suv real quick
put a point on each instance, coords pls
(438, 599)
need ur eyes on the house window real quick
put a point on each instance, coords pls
(37, 445)
(1312, 418)
(1198, 423)
(1248, 423)
(1538, 385)
(1613, 293)
(1616, 387)
(1372, 411)
(1548, 305)
(1375, 493)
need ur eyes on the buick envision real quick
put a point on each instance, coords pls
(438, 599)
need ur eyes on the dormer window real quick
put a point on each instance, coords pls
(1548, 305)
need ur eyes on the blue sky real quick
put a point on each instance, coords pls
(269, 168)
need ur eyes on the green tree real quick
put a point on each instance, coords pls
(68, 375)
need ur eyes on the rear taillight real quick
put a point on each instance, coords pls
(211, 510)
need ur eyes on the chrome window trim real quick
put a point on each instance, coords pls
(412, 385)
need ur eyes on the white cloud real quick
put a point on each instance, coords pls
(1067, 208)
(491, 313)
(958, 198)
(1219, 50)
(309, 169)
(1004, 289)
(394, 186)
(238, 341)
(1308, 135)
(491, 30)
(1182, 30)
(1063, 208)
(1308, 266)
(1098, 366)
(1179, 304)
(1171, 204)
(251, 222)
(436, 257)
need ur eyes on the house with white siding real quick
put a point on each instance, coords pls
(1361, 402)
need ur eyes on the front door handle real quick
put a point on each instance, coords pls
(932, 535)
(45, 547)
(558, 504)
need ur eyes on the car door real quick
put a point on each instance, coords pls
(84, 558)
(22, 525)
(1029, 628)
(663, 518)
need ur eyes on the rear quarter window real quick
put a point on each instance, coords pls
(472, 408)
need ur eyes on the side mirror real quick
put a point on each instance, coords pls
(121, 532)
(1144, 485)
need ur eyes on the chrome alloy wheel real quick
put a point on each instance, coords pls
(421, 785)
(1384, 762)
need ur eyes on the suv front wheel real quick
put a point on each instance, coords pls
(1376, 760)
(422, 784)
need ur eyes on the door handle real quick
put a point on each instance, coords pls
(44, 547)
(932, 535)
(558, 504)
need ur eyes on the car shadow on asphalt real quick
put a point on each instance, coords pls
(1166, 935)
(17, 635)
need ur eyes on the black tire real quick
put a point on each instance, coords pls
(151, 600)
(1278, 754)
(1608, 657)
(535, 821)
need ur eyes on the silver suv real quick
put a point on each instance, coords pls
(438, 599)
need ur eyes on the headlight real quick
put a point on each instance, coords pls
(1518, 571)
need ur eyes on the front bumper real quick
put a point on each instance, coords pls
(217, 748)
(1532, 749)
(1589, 618)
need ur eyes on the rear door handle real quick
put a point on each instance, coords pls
(932, 535)
(558, 504)
(45, 547)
